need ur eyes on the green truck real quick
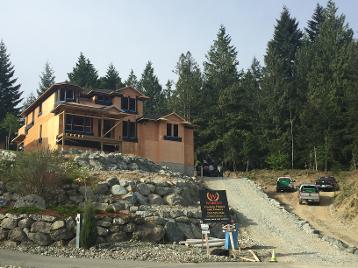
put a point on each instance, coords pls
(285, 184)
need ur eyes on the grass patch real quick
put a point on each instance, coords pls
(23, 210)
(66, 211)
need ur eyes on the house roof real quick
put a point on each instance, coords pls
(165, 118)
(92, 92)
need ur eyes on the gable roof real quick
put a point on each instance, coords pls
(165, 118)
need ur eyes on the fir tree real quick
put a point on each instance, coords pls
(28, 101)
(47, 79)
(111, 80)
(84, 74)
(188, 87)
(149, 84)
(10, 94)
(314, 25)
(132, 80)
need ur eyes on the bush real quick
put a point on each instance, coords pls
(277, 161)
(88, 235)
(67, 211)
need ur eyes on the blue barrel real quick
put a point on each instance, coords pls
(235, 236)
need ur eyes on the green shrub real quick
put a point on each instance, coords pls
(24, 210)
(66, 211)
(88, 235)
(277, 161)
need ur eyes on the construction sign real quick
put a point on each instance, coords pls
(214, 206)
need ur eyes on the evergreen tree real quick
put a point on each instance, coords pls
(280, 95)
(188, 87)
(84, 74)
(132, 80)
(149, 84)
(169, 97)
(10, 94)
(111, 80)
(28, 101)
(47, 79)
(220, 73)
(314, 25)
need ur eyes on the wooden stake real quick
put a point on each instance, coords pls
(255, 256)
(207, 244)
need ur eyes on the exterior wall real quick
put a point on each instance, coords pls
(148, 140)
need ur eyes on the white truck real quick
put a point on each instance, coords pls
(308, 193)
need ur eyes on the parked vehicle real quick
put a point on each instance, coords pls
(285, 184)
(308, 193)
(327, 184)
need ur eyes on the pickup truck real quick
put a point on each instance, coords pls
(327, 184)
(308, 193)
(285, 184)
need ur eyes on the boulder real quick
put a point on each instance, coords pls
(40, 239)
(143, 188)
(3, 234)
(118, 190)
(48, 218)
(151, 187)
(130, 198)
(102, 231)
(117, 206)
(70, 224)
(57, 225)
(141, 198)
(118, 237)
(155, 199)
(31, 200)
(172, 232)
(61, 234)
(16, 235)
(9, 223)
(102, 188)
(149, 232)
(100, 206)
(129, 228)
(174, 199)
(103, 223)
(41, 226)
(87, 192)
(112, 181)
(131, 187)
(76, 198)
(119, 221)
(25, 223)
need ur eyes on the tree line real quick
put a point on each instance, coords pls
(297, 110)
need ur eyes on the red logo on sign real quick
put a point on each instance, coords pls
(213, 197)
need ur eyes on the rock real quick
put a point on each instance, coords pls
(118, 237)
(25, 223)
(57, 225)
(115, 228)
(102, 188)
(112, 181)
(41, 239)
(173, 199)
(172, 232)
(72, 243)
(123, 183)
(129, 228)
(100, 206)
(151, 187)
(119, 221)
(61, 234)
(48, 218)
(130, 198)
(143, 188)
(133, 209)
(133, 166)
(3, 234)
(118, 190)
(40, 226)
(31, 200)
(103, 223)
(9, 223)
(102, 231)
(118, 206)
(186, 230)
(10, 244)
(155, 199)
(16, 235)
(59, 244)
(162, 190)
(131, 188)
(70, 224)
(141, 198)
(76, 198)
(182, 219)
(149, 232)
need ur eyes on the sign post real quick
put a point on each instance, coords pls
(214, 209)
(78, 230)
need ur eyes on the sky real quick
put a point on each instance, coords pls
(129, 33)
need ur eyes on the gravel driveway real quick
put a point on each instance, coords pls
(271, 226)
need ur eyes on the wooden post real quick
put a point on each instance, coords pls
(207, 244)
(102, 125)
(63, 129)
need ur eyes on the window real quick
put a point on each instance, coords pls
(40, 109)
(129, 131)
(128, 104)
(172, 133)
(33, 117)
(67, 94)
(40, 134)
(78, 124)
(104, 100)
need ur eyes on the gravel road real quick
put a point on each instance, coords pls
(271, 226)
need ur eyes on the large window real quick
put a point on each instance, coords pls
(172, 132)
(128, 104)
(67, 94)
(78, 124)
(104, 100)
(129, 131)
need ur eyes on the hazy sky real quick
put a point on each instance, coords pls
(129, 33)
